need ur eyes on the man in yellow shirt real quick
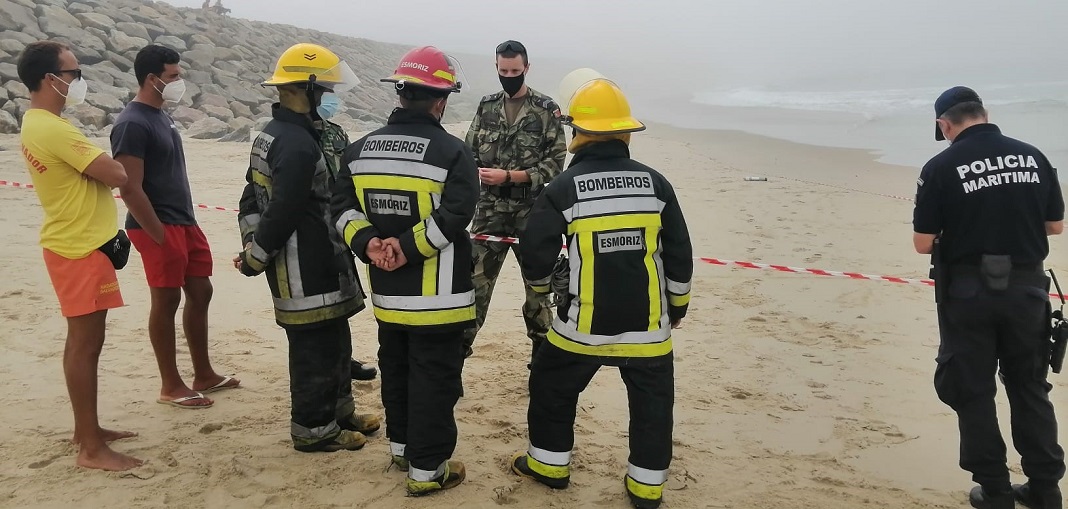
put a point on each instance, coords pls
(73, 179)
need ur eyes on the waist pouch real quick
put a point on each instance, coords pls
(117, 250)
(995, 271)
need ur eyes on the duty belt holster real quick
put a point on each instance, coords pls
(1058, 331)
(996, 271)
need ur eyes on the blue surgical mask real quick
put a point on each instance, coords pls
(329, 105)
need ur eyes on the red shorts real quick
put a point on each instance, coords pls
(184, 253)
(83, 286)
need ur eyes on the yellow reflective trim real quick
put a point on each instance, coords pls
(430, 265)
(421, 241)
(586, 283)
(612, 350)
(586, 109)
(655, 304)
(281, 272)
(256, 265)
(678, 300)
(353, 227)
(541, 288)
(615, 222)
(645, 491)
(339, 310)
(622, 123)
(395, 183)
(263, 181)
(359, 196)
(550, 471)
(441, 73)
(426, 317)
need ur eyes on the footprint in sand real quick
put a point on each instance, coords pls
(45, 462)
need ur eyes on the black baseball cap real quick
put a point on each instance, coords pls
(951, 98)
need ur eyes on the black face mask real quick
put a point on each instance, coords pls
(512, 84)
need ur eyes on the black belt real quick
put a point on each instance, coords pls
(512, 192)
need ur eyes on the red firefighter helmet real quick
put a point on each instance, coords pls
(425, 67)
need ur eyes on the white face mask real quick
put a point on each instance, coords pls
(76, 91)
(172, 91)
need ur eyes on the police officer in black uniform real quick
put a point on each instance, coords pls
(988, 203)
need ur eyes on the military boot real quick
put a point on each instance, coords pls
(1028, 496)
(453, 476)
(362, 423)
(346, 440)
(980, 499)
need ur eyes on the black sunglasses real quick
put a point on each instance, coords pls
(77, 73)
(515, 46)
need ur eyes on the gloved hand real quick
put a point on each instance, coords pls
(561, 279)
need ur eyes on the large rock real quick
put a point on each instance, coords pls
(200, 39)
(223, 114)
(21, 37)
(208, 129)
(88, 115)
(172, 42)
(226, 53)
(187, 116)
(15, 89)
(121, 62)
(55, 20)
(107, 103)
(206, 99)
(12, 46)
(8, 71)
(198, 77)
(133, 30)
(122, 44)
(18, 17)
(241, 110)
(199, 60)
(96, 20)
(240, 128)
(8, 123)
(77, 8)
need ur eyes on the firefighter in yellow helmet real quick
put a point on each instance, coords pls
(625, 286)
(287, 233)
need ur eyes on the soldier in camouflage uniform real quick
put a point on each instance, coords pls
(519, 145)
(333, 141)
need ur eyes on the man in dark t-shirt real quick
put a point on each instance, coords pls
(162, 227)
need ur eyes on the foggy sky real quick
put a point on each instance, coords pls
(695, 44)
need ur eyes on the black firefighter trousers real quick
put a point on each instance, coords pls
(320, 383)
(420, 386)
(558, 377)
(982, 330)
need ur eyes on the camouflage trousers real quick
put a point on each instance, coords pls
(503, 218)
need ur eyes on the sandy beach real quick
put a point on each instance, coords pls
(792, 391)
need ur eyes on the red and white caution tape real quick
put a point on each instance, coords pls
(816, 272)
(712, 261)
(20, 185)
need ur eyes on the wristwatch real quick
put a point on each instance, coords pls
(507, 176)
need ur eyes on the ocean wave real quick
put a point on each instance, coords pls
(874, 103)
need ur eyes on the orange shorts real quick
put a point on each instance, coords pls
(83, 286)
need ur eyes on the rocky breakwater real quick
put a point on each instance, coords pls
(223, 58)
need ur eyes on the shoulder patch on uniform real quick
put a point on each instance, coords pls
(919, 182)
(492, 97)
(549, 104)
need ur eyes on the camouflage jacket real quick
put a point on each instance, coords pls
(534, 143)
(333, 141)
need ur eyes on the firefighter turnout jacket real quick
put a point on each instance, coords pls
(284, 214)
(413, 181)
(629, 254)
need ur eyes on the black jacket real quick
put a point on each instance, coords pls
(285, 214)
(413, 181)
